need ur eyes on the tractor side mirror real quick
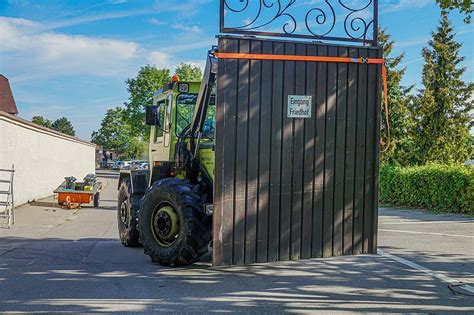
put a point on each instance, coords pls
(153, 116)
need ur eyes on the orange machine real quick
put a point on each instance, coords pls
(73, 194)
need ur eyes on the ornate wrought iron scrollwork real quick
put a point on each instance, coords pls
(233, 8)
(352, 20)
(321, 18)
(324, 19)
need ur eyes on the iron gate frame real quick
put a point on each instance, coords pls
(236, 30)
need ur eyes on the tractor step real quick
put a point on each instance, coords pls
(5, 203)
(4, 192)
(5, 181)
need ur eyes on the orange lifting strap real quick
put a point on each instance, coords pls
(323, 59)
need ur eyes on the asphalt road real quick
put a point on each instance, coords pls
(57, 260)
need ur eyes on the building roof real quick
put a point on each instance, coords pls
(7, 102)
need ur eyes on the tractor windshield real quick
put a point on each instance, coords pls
(185, 103)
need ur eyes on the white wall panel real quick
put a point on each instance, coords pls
(42, 158)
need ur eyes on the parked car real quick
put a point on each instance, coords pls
(144, 166)
(117, 165)
(136, 164)
(126, 165)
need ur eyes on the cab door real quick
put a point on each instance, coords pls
(160, 136)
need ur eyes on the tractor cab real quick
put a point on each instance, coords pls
(169, 118)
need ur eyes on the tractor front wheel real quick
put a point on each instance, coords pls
(174, 229)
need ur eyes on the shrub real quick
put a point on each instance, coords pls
(437, 187)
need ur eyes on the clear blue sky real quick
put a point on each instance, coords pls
(71, 58)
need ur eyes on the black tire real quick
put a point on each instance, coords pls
(96, 200)
(127, 223)
(194, 231)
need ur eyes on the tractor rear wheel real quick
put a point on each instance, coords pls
(174, 229)
(127, 223)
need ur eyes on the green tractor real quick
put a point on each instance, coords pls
(168, 208)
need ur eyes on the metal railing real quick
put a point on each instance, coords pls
(331, 20)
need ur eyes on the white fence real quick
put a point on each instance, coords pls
(42, 157)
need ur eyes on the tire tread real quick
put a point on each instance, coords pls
(195, 243)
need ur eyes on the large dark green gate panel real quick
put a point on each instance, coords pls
(295, 188)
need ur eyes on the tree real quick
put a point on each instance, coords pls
(443, 109)
(401, 148)
(188, 72)
(63, 125)
(141, 89)
(116, 133)
(40, 120)
(464, 6)
(470, 146)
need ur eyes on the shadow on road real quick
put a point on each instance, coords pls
(460, 265)
(95, 275)
(46, 204)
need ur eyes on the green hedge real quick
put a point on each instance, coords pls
(436, 187)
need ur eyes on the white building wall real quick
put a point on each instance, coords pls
(42, 158)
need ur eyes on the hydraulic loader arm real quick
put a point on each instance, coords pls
(200, 110)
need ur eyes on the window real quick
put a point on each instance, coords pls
(167, 124)
(184, 111)
(159, 129)
(184, 114)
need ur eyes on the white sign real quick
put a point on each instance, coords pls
(299, 106)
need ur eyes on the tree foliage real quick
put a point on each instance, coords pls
(470, 146)
(442, 111)
(401, 148)
(188, 72)
(117, 134)
(141, 89)
(63, 125)
(464, 6)
(40, 120)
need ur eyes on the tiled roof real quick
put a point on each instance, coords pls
(7, 102)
